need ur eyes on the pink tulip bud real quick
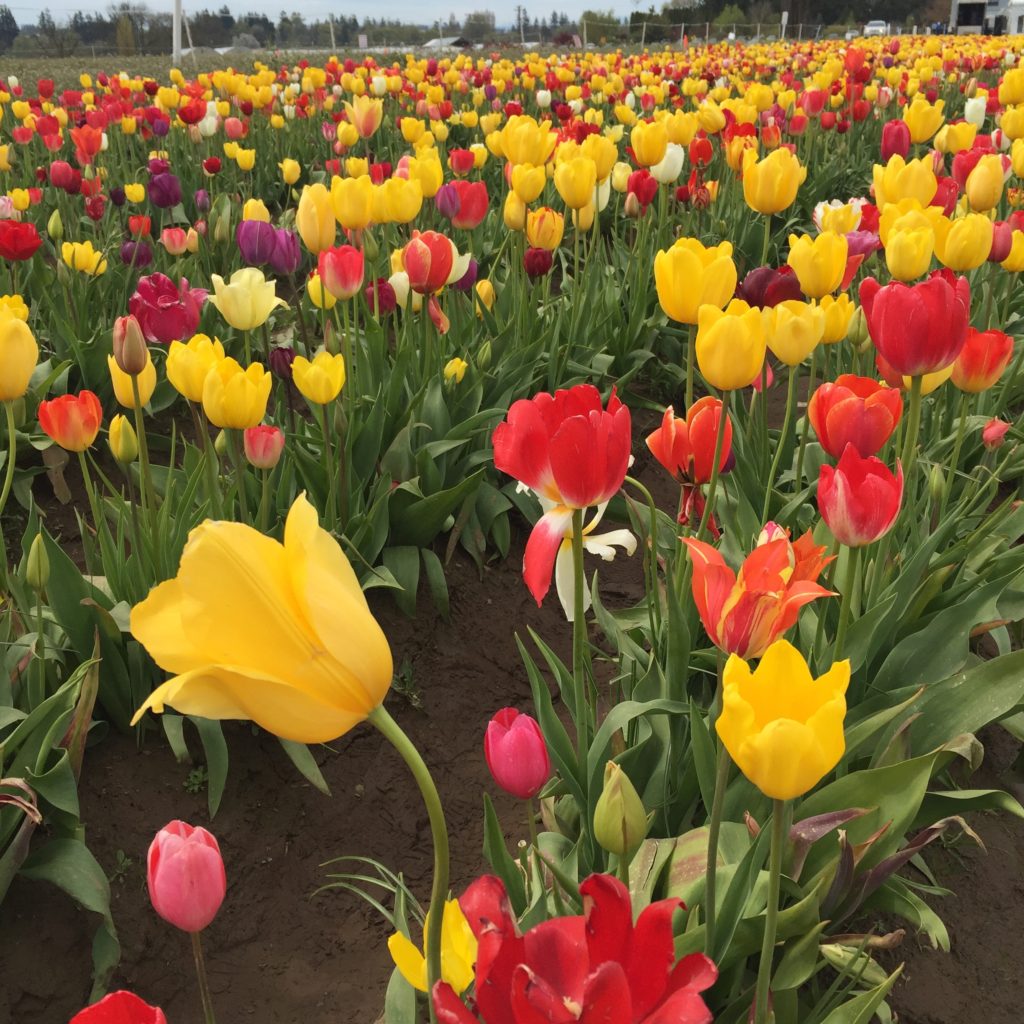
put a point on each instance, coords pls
(994, 434)
(129, 345)
(120, 1008)
(516, 753)
(186, 876)
(263, 446)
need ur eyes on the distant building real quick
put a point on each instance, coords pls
(995, 17)
(447, 43)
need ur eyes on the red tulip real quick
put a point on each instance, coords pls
(263, 445)
(473, 203)
(516, 754)
(918, 328)
(859, 499)
(428, 261)
(461, 161)
(18, 240)
(854, 410)
(994, 433)
(766, 287)
(572, 454)
(166, 311)
(88, 141)
(686, 448)
(745, 613)
(536, 263)
(982, 360)
(341, 270)
(73, 421)
(120, 1008)
(186, 876)
(895, 139)
(598, 966)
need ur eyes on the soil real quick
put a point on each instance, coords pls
(278, 953)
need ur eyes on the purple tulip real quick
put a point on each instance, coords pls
(255, 240)
(164, 190)
(767, 286)
(136, 254)
(447, 201)
(490, 92)
(468, 279)
(117, 196)
(286, 254)
(161, 126)
(202, 198)
(281, 359)
(158, 165)
(862, 243)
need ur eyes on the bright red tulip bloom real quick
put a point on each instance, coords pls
(73, 421)
(859, 498)
(88, 141)
(744, 614)
(473, 203)
(572, 454)
(516, 753)
(918, 328)
(428, 259)
(686, 448)
(982, 360)
(895, 139)
(598, 966)
(186, 876)
(166, 311)
(120, 1008)
(19, 240)
(263, 445)
(854, 410)
(341, 270)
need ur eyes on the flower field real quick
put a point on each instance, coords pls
(591, 479)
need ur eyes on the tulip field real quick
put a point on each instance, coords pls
(513, 539)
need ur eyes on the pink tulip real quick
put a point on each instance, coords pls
(859, 498)
(263, 446)
(341, 270)
(516, 753)
(994, 434)
(120, 1008)
(186, 876)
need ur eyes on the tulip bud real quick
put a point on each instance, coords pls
(370, 246)
(263, 446)
(632, 207)
(483, 356)
(55, 226)
(123, 441)
(857, 333)
(994, 434)
(37, 565)
(936, 491)
(620, 821)
(516, 754)
(130, 352)
(220, 443)
(185, 874)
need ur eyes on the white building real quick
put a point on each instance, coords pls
(998, 17)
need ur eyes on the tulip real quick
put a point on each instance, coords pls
(473, 204)
(429, 260)
(81, 256)
(164, 190)
(903, 179)
(783, 728)
(839, 313)
(255, 209)
(730, 344)
(793, 330)
(233, 397)
(994, 433)
(855, 411)
(72, 421)
(19, 240)
(290, 171)
(125, 383)
(314, 219)
(544, 228)
(1014, 261)
(516, 754)
(321, 379)
(458, 952)
(397, 201)
(860, 498)
(185, 874)
(188, 364)
(263, 670)
(256, 240)
(123, 441)
(340, 271)
(538, 262)
(120, 1008)
(649, 142)
(690, 275)
(895, 139)
(982, 360)
(528, 182)
(742, 614)
(573, 454)
(455, 370)
(286, 255)
(841, 218)
(923, 118)
(513, 213)
(921, 328)
(352, 200)
(247, 300)
(575, 180)
(909, 250)
(19, 355)
(767, 286)
(380, 297)
(263, 446)
(365, 114)
(770, 185)
(166, 311)
(819, 263)
(964, 244)
(686, 447)
(985, 183)
(620, 821)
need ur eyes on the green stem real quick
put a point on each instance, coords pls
(579, 639)
(238, 457)
(247, 346)
(771, 917)
(148, 493)
(624, 870)
(12, 451)
(722, 764)
(212, 461)
(691, 338)
(396, 736)
(329, 466)
(709, 502)
(40, 670)
(767, 239)
(265, 501)
(849, 586)
(910, 438)
(954, 459)
(204, 985)
(807, 423)
(781, 443)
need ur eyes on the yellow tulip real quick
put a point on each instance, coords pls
(189, 362)
(357, 166)
(841, 218)
(603, 152)
(81, 256)
(954, 138)
(964, 243)
(770, 185)
(514, 212)
(575, 181)
(314, 219)
(123, 390)
(255, 209)
(985, 183)
(279, 634)
(819, 263)
(794, 329)
(1011, 88)
(923, 118)
(730, 344)
(523, 141)
(397, 201)
(352, 200)
(245, 158)
(19, 354)
(783, 728)
(458, 952)
(455, 370)
(904, 179)
(235, 398)
(649, 140)
(681, 126)
(583, 218)
(1014, 262)
(427, 170)
(321, 378)
(838, 314)
(412, 129)
(908, 251)
(544, 228)
(134, 192)
(15, 306)
(689, 275)
(318, 294)
(931, 381)
(246, 300)
(290, 170)
(1011, 123)
(123, 441)
(365, 114)
(485, 296)
(528, 182)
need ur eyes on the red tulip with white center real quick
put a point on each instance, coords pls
(859, 498)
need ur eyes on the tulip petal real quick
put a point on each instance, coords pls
(450, 1009)
(542, 549)
(682, 1007)
(651, 955)
(609, 918)
(409, 961)
(606, 997)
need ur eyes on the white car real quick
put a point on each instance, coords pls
(876, 28)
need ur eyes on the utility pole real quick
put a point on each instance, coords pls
(176, 34)
(330, 21)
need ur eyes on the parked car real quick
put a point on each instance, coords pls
(876, 28)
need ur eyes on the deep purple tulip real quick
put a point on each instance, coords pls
(136, 254)
(202, 198)
(281, 359)
(468, 279)
(490, 92)
(117, 196)
(255, 240)
(765, 287)
(161, 126)
(164, 190)
(447, 201)
(286, 254)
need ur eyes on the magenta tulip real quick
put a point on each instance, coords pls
(516, 753)
(186, 876)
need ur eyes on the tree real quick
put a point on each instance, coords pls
(124, 36)
(479, 25)
(8, 28)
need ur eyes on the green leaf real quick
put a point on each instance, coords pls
(215, 748)
(399, 1000)
(437, 582)
(417, 520)
(404, 564)
(936, 806)
(501, 860)
(302, 757)
(799, 959)
(861, 1009)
